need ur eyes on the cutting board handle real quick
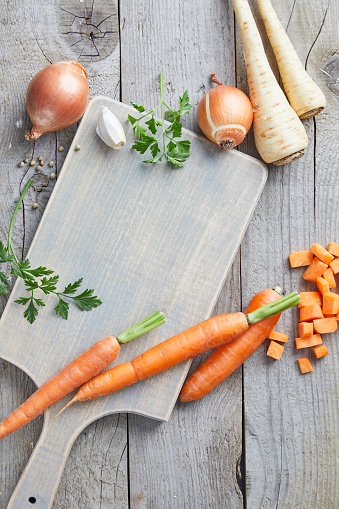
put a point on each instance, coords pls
(39, 482)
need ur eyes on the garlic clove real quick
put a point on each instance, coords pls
(109, 129)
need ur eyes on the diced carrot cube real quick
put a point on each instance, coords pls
(313, 340)
(310, 313)
(330, 303)
(304, 365)
(300, 258)
(308, 298)
(333, 248)
(314, 270)
(321, 253)
(322, 285)
(328, 275)
(305, 329)
(320, 351)
(275, 350)
(325, 325)
(334, 264)
(278, 336)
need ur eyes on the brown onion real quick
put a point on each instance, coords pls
(56, 97)
(225, 115)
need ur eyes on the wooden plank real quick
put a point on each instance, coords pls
(195, 457)
(292, 420)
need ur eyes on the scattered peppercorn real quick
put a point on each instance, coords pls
(21, 163)
(35, 205)
(26, 160)
(32, 163)
(42, 162)
(38, 167)
(53, 175)
(77, 147)
(51, 163)
(61, 148)
(40, 158)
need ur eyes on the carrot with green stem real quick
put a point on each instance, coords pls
(179, 348)
(80, 370)
(279, 134)
(304, 95)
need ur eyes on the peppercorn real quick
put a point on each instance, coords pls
(61, 148)
(77, 147)
(53, 175)
(32, 163)
(21, 163)
(35, 205)
(51, 163)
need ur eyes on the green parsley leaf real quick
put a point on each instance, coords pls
(22, 300)
(62, 308)
(31, 312)
(4, 289)
(72, 287)
(152, 125)
(86, 300)
(4, 256)
(39, 302)
(138, 107)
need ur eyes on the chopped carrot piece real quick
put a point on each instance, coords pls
(304, 365)
(330, 303)
(313, 340)
(320, 351)
(321, 253)
(309, 298)
(305, 329)
(333, 248)
(329, 277)
(310, 313)
(314, 270)
(334, 264)
(325, 325)
(278, 336)
(322, 285)
(300, 258)
(275, 350)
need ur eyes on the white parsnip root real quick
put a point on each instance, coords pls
(304, 95)
(279, 134)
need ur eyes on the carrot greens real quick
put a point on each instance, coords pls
(163, 141)
(36, 279)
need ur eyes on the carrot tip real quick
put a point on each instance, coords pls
(73, 400)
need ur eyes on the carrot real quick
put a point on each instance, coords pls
(304, 95)
(305, 329)
(330, 303)
(305, 365)
(76, 373)
(321, 253)
(314, 270)
(309, 313)
(279, 134)
(320, 351)
(333, 248)
(313, 340)
(225, 359)
(300, 258)
(278, 336)
(322, 285)
(334, 264)
(179, 348)
(275, 350)
(309, 298)
(325, 325)
(329, 277)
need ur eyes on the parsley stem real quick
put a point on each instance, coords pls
(9, 242)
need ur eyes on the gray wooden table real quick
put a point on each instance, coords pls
(267, 437)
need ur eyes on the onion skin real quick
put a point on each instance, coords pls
(56, 97)
(228, 108)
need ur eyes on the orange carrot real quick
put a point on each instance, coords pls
(334, 264)
(329, 277)
(278, 336)
(325, 325)
(275, 350)
(309, 298)
(313, 340)
(300, 258)
(309, 313)
(330, 303)
(320, 351)
(179, 348)
(305, 329)
(321, 253)
(304, 365)
(314, 270)
(333, 248)
(80, 370)
(322, 285)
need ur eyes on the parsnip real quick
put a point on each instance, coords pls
(304, 95)
(279, 134)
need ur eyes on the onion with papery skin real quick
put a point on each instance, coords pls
(225, 115)
(56, 97)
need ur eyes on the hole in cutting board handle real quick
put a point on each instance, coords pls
(32, 500)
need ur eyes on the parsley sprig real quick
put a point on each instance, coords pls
(163, 141)
(36, 280)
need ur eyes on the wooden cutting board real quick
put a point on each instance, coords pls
(145, 237)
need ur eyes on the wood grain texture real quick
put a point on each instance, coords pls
(291, 420)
